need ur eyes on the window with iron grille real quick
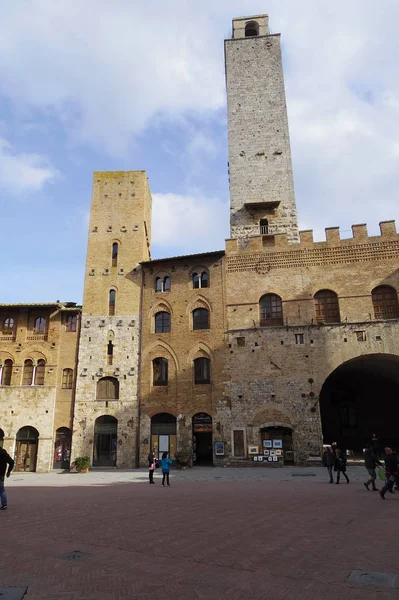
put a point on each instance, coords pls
(67, 379)
(111, 302)
(39, 327)
(71, 323)
(202, 370)
(6, 372)
(385, 302)
(271, 310)
(27, 377)
(39, 372)
(200, 318)
(107, 388)
(326, 307)
(162, 322)
(264, 226)
(160, 371)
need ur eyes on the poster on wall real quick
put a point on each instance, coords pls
(260, 458)
(278, 452)
(255, 458)
(270, 459)
(253, 450)
(274, 458)
(266, 452)
(277, 443)
(272, 452)
(219, 448)
(267, 444)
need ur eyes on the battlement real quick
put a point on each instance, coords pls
(279, 241)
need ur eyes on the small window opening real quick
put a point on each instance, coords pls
(361, 336)
(299, 338)
(110, 352)
(162, 284)
(264, 227)
(241, 341)
(115, 254)
(251, 29)
(111, 302)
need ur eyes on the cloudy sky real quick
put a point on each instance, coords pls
(124, 85)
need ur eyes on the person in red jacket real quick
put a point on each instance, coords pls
(5, 459)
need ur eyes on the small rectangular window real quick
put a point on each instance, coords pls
(241, 341)
(299, 338)
(361, 336)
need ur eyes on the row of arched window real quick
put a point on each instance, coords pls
(33, 373)
(202, 371)
(200, 318)
(326, 306)
(199, 280)
(39, 325)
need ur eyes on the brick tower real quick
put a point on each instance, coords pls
(106, 407)
(261, 182)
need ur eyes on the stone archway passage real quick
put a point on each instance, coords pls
(360, 398)
(105, 441)
(202, 439)
(27, 444)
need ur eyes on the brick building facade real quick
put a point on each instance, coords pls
(264, 349)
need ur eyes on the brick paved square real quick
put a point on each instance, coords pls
(202, 538)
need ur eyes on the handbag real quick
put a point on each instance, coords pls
(381, 474)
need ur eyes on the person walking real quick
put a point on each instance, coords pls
(340, 465)
(371, 462)
(5, 459)
(151, 465)
(391, 472)
(165, 463)
(328, 462)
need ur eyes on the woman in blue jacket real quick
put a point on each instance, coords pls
(165, 462)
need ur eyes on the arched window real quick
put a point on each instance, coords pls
(160, 371)
(107, 388)
(264, 227)
(111, 302)
(251, 29)
(39, 372)
(110, 352)
(200, 318)
(200, 280)
(67, 379)
(202, 370)
(162, 322)
(6, 372)
(71, 323)
(326, 307)
(40, 326)
(162, 284)
(115, 248)
(27, 377)
(8, 325)
(385, 302)
(271, 310)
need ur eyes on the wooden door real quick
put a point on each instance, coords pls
(238, 438)
(26, 456)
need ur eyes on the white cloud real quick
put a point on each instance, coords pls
(21, 172)
(189, 223)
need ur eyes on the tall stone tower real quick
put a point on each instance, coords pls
(106, 408)
(261, 182)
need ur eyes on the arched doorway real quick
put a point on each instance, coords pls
(105, 441)
(1, 438)
(163, 434)
(360, 398)
(62, 448)
(27, 443)
(202, 439)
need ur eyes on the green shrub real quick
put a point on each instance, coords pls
(82, 463)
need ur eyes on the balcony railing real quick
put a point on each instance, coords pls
(264, 230)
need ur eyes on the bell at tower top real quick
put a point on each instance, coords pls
(250, 26)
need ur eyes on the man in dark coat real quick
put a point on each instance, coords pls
(371, 462)
(5, 459)
(340, 465)
(329, 461)
(391, 472)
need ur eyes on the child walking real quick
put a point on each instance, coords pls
(166, 462)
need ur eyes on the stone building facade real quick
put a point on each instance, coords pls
(38, 353)
(265, 349)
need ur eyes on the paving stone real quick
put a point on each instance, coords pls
(12, 593)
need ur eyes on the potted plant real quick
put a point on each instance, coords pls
(82, 464)
(183, 460)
